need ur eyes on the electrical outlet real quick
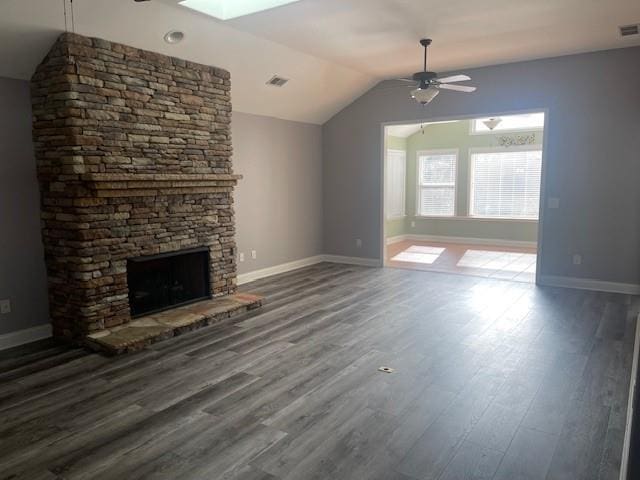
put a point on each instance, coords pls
(413, 224)
(5, 306)
(553, 202)
(577, 259)
(254, 254)
(358, 243)
(241, 257)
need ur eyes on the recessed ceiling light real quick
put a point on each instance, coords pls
(173, 36)
(227, 9)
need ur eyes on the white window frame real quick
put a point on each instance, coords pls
(524, 148)
(473, 131)
(442, 151)
(388, 216)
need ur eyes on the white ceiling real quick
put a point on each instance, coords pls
(403, 131)
(332, 50)
(380, 37)
(317, 88)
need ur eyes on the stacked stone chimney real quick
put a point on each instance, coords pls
(134, 158)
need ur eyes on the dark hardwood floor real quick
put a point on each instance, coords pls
(493, 380)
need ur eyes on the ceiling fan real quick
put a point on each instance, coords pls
(429, 85)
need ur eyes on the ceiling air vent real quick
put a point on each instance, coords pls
(277, 81)
(628, 30)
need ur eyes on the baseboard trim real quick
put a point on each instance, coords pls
(465, 240)
(277, 269)
(28, 335)
(396, 239)
(589, 284)
(362, 261)
(626, 447)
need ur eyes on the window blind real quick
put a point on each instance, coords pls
(506, 184)
(437, 184)
(395, 183)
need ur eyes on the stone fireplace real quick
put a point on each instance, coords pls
(133, 151)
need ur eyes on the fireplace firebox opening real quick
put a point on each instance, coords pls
(165, 281)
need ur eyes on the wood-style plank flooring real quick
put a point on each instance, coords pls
(493, 380)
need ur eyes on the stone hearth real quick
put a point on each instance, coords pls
(134, 158)
(152, 328)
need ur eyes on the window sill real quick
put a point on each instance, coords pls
(479, 219)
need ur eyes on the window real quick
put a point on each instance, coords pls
(506, 184)
(396, 178)
(510, 123)
(437, 183)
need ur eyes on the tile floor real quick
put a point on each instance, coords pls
(507, 263)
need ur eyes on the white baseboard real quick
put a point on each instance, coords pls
(464, 240)
(395, 239)
(28, 335)
(626, 448)
(305, 262)
(589, 284)
(365, 262)
(275, 270)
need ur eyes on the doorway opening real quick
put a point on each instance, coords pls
(464, 195)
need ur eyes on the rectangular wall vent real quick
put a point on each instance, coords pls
(277, 81)
(628, 30)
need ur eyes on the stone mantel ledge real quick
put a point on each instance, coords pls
(122, 184)
(202, 179)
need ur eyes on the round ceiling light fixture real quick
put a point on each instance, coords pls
(173, 36)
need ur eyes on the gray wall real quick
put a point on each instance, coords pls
(279, 200)
(592, 162)
(278, 203)
(22, 270)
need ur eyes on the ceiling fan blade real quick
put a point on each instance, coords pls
(454, 78)
(457, 88)
(405, 80)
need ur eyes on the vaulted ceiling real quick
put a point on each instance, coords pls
(380, 37)
(332, 50)
(317, 90)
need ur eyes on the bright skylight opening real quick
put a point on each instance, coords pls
(228, 9)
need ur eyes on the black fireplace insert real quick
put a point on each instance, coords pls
(160, 282)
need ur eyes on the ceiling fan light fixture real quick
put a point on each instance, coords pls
(429, 84)
(492, 122)
(424, 95)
